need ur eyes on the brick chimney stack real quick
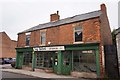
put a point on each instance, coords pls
(54, 17)
(103, 8)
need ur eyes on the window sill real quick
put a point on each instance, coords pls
(42, 45)
(27, 46)
(78, 42)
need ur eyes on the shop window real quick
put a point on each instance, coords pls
(66, 58)
(44, 59)
(43, 38)
(84, 61)
(27, 58)
(78, 34)
(56, 59)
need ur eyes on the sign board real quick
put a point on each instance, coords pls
(54, 48)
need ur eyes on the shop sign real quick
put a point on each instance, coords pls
(56, 48)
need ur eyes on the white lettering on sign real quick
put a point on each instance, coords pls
(56, 48)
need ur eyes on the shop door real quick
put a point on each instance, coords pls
(67, 62)
(55, 62)
(20, 60)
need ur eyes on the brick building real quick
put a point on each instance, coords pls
(73, 44)
(7, 46)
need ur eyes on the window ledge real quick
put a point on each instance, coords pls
(27, 46)
(78, 42)
(42, 45)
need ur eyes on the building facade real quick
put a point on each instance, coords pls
(7, 46)
(73, 44)
(117, 33)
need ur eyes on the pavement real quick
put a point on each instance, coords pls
(40, 74)
(7, 66)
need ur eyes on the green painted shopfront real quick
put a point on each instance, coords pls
(64, 46)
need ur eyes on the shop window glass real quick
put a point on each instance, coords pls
(84, 61)
(44, 59)
(66, 58)
(43, 37)
(56, 59)
(78, 34)
(27, 59)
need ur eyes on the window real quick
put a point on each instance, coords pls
(44, 59)
(28, 39)
(43, 38)
(84, 61)
(78, 34)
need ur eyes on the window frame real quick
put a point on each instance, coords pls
(42, 31)
(26, 36)
(76, 42)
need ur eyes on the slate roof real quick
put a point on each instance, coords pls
(117, 31)
(66, 21)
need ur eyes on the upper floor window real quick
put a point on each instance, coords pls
(43, 37)
(28, 39)
(78, 34)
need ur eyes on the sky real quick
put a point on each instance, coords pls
(19, 15)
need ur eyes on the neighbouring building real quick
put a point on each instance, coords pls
(7, 46)
(117, 33)
(71, 45)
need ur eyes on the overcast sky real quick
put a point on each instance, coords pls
(19, 15)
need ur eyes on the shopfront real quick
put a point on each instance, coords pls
(64, 59)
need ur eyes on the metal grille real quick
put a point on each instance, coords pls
(44, 59)
(27, 58)
(84, 61)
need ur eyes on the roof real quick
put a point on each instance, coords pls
(117, 31)
(66, 21)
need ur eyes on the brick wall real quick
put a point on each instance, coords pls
(106, 37)
(8, 46)
(64, 34)
(21, 40)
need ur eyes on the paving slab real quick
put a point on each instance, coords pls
(37, 74)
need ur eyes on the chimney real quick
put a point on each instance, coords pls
(54, 17)
(103, 7)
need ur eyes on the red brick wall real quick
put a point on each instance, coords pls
(52, 35)
(35, 38)
(21, 40)
(63, 34)
(66, 34)
(54, 17)
(7, 46)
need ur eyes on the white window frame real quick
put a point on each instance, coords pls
(27, 34)
(78, 42)
(40, 37)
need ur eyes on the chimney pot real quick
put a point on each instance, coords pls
(57, 12)
(103, 7)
